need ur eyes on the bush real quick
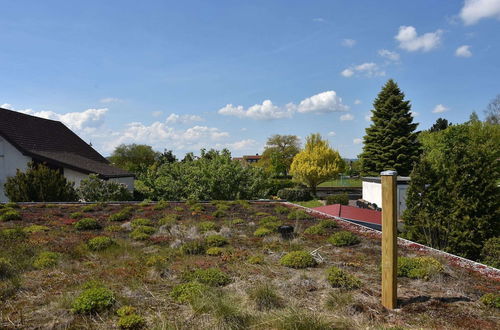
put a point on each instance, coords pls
(6, 269)
(298, 259)
(91, 208)
(113, 228)
(122, 215)
(342, 199)
(298, 214)
(12, 234)
(46, 260)
(216, 240)
(491, 300)
(270, 222)
(100, 243)
(125, 310)
(187, 292)
(237, 221)
(76, 215)
(343, 238)
(40, 184)
(141, 233)
(157, 262)
(93, 300)
(215, 251)
(193, 247)
(490, 254)
(280, 209)
(315, 230)
(276, 185)
(207, 226)
(210, 276)
(141, 222)
(161, 205)
(10, 215)
(87, 224)
(35, 229)
(256, 260)
(339, 278)
(131, 322)
(218, 214)
(265, 298)
(262, 231)
(93, 189)
(295, 194)
(418, 267)
(328, 224)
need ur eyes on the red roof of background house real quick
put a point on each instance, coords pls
(252, 157)
(352, 213)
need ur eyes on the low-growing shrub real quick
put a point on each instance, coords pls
(12, 234)
(261, 232)
(237, 221)
(256, 260)
(342, 199)
(87, 224)
(216, 240)
(315, 230)
(35, 229)
(418, 267)
(207, 226)
(141, 233)
(46, 260)
(161, 205)
(131, 322)
(298, 259)
(122, 215)
(339, 278)
(490, 254)
(298, 214)
(145, 202)
(262, 214)
(113, 228)
(280, 209)
(193, 247)
(178, 209)
(327, 224)
(100, 243)
(94, 189)
(187, 292)
(90, 208)
(6, 269)
(9, 215)
(12, 205)
(93, 300)
(197, 208)
(141, 222)
(76, 215)
(209, 276)
(302, 320)
(156, 261)
(265, 298)
(125, 310)
(343, 238)
(270, 222)
(215, 251)
(491, 300)
(295, 194)
(219, 213)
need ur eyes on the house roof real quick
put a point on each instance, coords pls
(352, 213)
(52, 142)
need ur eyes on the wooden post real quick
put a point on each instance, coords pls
(389, 239)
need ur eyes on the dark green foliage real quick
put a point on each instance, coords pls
(490, 254)
(40, 184)
(275, 185)
(298, 214)
(76, 215)
(262, 231)
(491, 300)
(210, 276)
(216, 240)
(265, 298)
(6, 269)
(270, 222)
(193, 247)
(343, 238)
(215, 251)
(219, 213)
(141, 222)
(205, 226)
(439, 125)
(298, 259)
(328, 224)
(391, 141)
(315, 230)
(337, 199)
(187, 292)
(87, 224)
(9, 214)
(278, 154)
(94, 189)
(93, 300)
(134, 158)
(453, 201)
(46, 260)
(418, 267)
(280, 209)
(131, 322)
(100, 243)
(141, 233)
(295, 194)
(161, 205)
(339, 278)
(12, 234)
(122, 215)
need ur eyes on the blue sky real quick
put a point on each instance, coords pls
(184, 75)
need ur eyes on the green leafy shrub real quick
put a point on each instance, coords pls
(270, 222)
(315, 230)
(141, 222)
(298, 259)
(418, 267)
(122, 215)
(12, 205)
(298, 214)
(35, 229)
(46, 260)
(209, 276)
(490, 254)
(261, 214)
(141, 233)
(113, 228)
(94, 189)
(156, 261)
(261, 232)
(256, 260)
(6, 269)
(39, 184)
(12, 234)
(161, 205)
(343, 238)
(342, 199)
(91, 208)
(327, 224)
(215, 251)
(339, 278)
(76, 215)
(219, 213)
(93, 300)
(193, 247)
(295, 194)
(131, 322)
(10, 214)
(491, 300)
(216, 240)
(125, 310)
(280, 209)
(87, 224)
(100, 243)
(187, 292)
(265, 298)
(237, 221)
(205, 226)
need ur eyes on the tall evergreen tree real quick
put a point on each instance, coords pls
(390, 142)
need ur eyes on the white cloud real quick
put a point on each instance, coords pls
(110, 100)
(409, 39)
(475, 10)
(392, 56)
(357, 101)
(319, 19)
(368, 69)
(157, 113)
(349, 42)
(323, 102)
(332, 133)
(238, 145)
(440, 108)
(414, 114)
(463, 51)
(357, 141)
(7, 106)
(174, 118)
(346, 117)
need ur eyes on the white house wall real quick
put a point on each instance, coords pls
(129, 181)
(74, 176)
(372, 192)
(10, 160)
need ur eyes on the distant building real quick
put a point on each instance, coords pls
(249, 159)
(372, 191)
(25, 138)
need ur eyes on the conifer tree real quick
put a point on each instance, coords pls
(390, 142)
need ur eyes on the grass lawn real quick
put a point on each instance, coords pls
(219, 265)
(342, 183)
(313, 203)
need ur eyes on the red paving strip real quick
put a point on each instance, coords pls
(352, 213)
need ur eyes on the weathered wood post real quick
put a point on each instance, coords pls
(389, 239)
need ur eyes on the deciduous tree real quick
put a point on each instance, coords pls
(278, 154)
(134, 158)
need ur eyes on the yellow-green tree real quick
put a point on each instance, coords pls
(317, 163)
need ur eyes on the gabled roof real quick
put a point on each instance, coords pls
(52, 142)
